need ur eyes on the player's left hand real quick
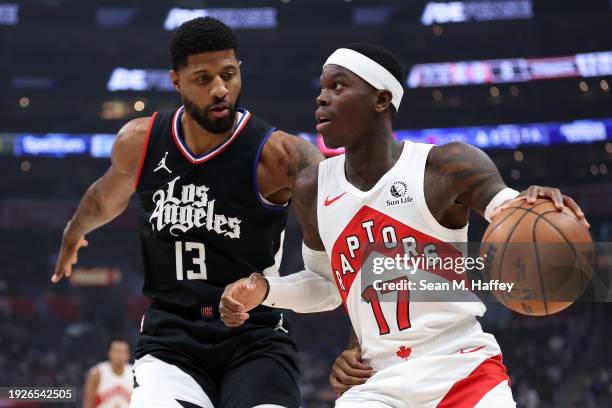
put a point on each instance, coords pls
(551, 193)
(240, 297)
(349, 370)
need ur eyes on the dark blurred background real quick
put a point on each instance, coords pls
(526, 80)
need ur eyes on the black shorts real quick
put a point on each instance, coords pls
(256, 363)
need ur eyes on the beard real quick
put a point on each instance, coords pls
(216, 125)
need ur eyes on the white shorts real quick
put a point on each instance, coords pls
(163, 385)
(464, 374)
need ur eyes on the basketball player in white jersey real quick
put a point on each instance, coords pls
(109, 383)
(403, 196)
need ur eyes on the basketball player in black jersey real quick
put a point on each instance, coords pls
(213, 182)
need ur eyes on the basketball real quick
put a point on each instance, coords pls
(546, 253)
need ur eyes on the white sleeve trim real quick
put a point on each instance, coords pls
(505, 194)
(311, 290)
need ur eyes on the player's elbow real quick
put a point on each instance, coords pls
(104, 206)
(329, 303)
(321, 307)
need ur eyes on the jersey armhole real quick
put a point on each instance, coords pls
(448, 234)
(321, 176)
(143, 155)
(260, 199)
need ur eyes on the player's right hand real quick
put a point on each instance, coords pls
(68, 254)
(349, 370)
(241, 296)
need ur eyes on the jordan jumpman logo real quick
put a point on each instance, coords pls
(162, 164)
(280, 327)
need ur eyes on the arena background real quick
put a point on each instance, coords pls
(526, 80)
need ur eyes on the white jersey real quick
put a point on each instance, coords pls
(114, 390)
(394, 218)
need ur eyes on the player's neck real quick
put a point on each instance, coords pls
(366, 162)
(199, 140)
(117, 369)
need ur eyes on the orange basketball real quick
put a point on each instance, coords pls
(546, 253)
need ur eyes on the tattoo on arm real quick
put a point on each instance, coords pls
(96, 198)
(305, 154)
(108, 196)
(90, 212)
(305, 207)
(473, 175)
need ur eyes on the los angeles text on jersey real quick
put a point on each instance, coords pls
(192, 209)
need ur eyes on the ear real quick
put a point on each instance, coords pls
(383, 100)
(174, 77)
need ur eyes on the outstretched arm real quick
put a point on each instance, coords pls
(107, 197)
(477, 184)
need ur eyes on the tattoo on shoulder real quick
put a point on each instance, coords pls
(472, 173)
(305, 154)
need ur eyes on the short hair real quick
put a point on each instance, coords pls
(118, 340)
(380, 55)
(202, 34)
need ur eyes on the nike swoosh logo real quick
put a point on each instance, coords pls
(472, 350)
(329, 202)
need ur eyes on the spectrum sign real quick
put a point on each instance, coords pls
(505, 136)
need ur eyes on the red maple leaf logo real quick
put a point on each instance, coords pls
(404, 352)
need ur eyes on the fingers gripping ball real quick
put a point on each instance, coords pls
(547, 253)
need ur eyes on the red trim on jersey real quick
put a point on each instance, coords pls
(466, 393)
(196, 160)
(144, 150)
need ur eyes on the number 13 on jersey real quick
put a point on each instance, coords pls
(198, 253)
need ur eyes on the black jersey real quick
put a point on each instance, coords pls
(203, 223)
